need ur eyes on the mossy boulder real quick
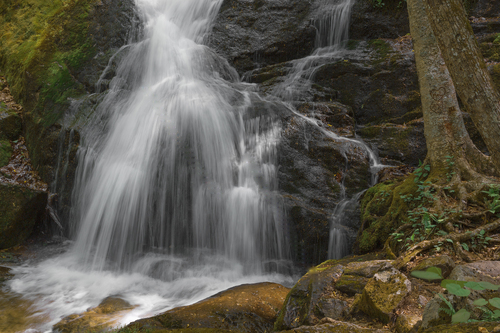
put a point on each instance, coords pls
(98, 319)
(315, 296)
(444, 262)
(10, 124)
(246, 308)
(384, 207)
(351, 284)
(357, 274)
(301, 303)
(383, 294)
(20, 210)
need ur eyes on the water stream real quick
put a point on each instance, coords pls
(176, 188)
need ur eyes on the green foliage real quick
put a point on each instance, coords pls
(463, 289)
(493, 203)
(431, 273)
(42, 42)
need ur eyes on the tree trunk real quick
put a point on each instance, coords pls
(445, 131)
(467, 68)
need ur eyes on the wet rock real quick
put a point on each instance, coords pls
(397, 144)
(314, 162)
(312, 289)
(98, 319)
(445, 263)
(383, 294)
(251, 34)
(369, 21)
(337, 327)
(406, 323)
(20, 210)
(5, 273)
(246, 308)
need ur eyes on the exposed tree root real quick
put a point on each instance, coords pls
(457, 239)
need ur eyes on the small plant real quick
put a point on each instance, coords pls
(493, 203)
(449, 167)
(378, 3)
(463, 289)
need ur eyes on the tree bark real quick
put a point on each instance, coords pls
(467, 68)
(445, 131)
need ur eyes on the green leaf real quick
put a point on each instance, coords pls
(480, 302)
(489, 286)
(446, 282)
(466, 247)
(495, 302)
(424, 275)
(474, 286)
(456, 289)
(496, 314)
(449, 240)
(431, 273)
(460, 317)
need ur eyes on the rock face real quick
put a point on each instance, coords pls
(20, 210)
(98, 319)
(251, 34)
(383, 294)
(323, 293)
(246, 308)
(371, 22)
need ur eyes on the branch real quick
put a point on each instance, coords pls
(426, 245)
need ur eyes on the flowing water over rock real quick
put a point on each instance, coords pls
(176, 189)
(175, 186)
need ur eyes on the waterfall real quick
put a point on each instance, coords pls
(175, 167)
(175, 194)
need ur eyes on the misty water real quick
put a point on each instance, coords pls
(176, 190)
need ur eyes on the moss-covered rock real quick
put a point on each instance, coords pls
(20, 209)
(10, 124)
(383, 210)
(383, 294)
(246, 308)
(98, 319)
(357, 274)
(301, 303)
(406, 323)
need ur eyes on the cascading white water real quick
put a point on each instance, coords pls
(176, 167)
(332, 33)
(175, 190)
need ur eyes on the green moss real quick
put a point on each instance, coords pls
(42, 42)
(5, 152)
(382, 211)
(382, 49)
